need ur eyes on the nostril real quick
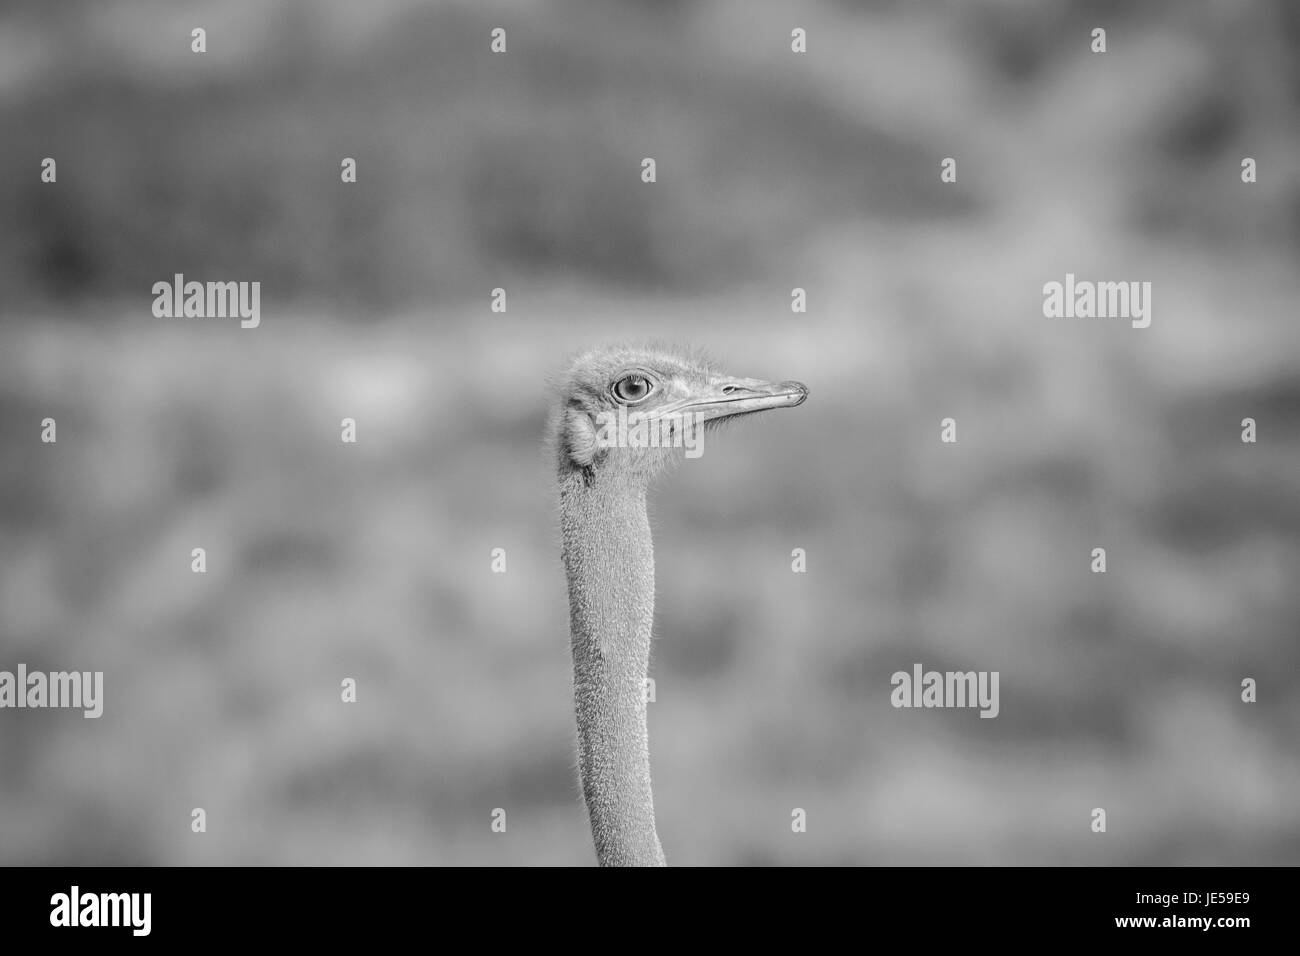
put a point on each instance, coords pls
(728, 389)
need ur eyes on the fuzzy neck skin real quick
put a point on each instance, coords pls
(609, 559)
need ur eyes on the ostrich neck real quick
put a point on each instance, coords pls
(609, 559)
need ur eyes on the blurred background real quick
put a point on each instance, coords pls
(775, 171)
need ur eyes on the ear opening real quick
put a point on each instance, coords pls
(579, 435)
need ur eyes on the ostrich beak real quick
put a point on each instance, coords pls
(728, 397)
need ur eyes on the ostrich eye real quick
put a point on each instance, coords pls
(631, 389)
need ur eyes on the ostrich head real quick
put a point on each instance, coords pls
(670, 392)
(608, 557)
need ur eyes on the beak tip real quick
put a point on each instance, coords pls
(800, 390)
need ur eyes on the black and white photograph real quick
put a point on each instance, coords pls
(696, 433)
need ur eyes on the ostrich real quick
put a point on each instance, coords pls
(609, 560)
